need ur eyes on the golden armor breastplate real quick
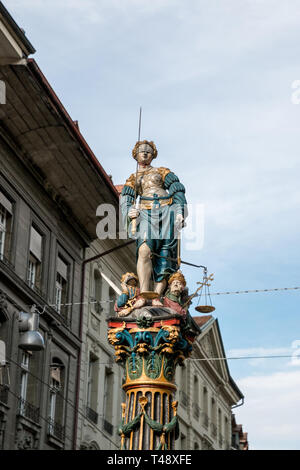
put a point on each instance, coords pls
(150, 182)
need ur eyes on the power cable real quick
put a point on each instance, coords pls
(57, 392)
(18, 397)
(95, 302)
(106, 363)
(256, 290)
(238, 357)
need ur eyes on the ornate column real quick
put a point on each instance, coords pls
(150, 347)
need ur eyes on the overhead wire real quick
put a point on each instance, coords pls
(106, 363)
(239, 357)
(93, 302)
(51, 388)
(256, 290)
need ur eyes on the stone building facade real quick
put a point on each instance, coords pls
(101, 378)
(206, 393)
(50, 187)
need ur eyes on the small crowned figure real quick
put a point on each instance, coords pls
(159, 217)
(176, 295)
(130, 298)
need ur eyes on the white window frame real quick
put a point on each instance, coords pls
(58, 292)
(3, 222)
(24, 380)
(32, 268)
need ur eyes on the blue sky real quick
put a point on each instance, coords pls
(215, 82)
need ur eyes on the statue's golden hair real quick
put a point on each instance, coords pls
(140, 142)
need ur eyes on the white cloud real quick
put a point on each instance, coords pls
(270, 414)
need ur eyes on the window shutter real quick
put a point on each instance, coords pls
(6, 203)
(36, 244)
(2, 354)
(62, 268)
(55, 374)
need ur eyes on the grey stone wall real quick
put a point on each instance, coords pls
(29, 427)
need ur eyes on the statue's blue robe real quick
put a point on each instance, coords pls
(156, 226)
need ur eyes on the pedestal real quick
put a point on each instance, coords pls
(150, 347)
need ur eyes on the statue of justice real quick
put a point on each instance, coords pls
(152, 331)
(155, 221)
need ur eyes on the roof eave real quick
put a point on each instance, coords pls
(73, 127)
(17, 32)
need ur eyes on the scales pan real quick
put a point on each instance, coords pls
(205, 308)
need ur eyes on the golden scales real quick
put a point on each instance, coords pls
(207, 306)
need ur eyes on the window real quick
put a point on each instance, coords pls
(4, 318)
(183, 442)
(6, 211)
(196, 389)
(29, 387)
(96, 291)
(205, 408)
(34, 276)
(220, 424)
(226, 433)
(108, 400)
(92, 389)
(92, 382)
(196, 408)
(61, 287)
(24, 380)
(4, 373)
(183, 392)
(56, 400)
(213, 418)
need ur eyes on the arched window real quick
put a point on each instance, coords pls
(56, 400)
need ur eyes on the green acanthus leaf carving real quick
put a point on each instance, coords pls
(153, 365)
(135, 366)
(169, 368)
